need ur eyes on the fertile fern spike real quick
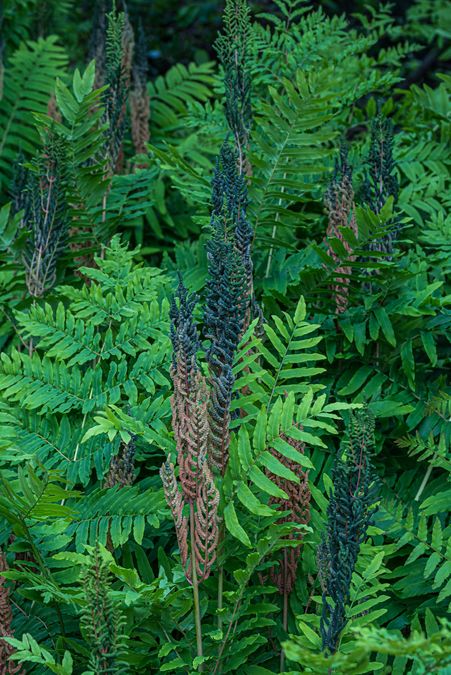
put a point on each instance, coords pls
(7, 667)
(223, 320)
(190, 423)
(228, 308)
(225, 306)
(101, 622)
(47, 216)
(339, 202)
(229, 202)
(122, 467)
(184, 373)
(380, 180)
(233, 50)
(219, 418)
(176, 503)
(184, 335)
(118, 62)
(296, 509)
(19, 195)
(349, 512)
(97, 42)
(139, 97)
(189, 401)
(206, 525)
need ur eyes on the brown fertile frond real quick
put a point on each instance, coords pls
(323, 563)
(139, 97)
(53, 110)
(140, 118)
(122, 466)
(190, 423)
(182, 378)
(176, 503)
(206, 524)
(128, 45)
(219, 419)
(7, 666)
(298, 507)
(339, 202)
(97, 41)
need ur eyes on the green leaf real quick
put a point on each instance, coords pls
(260, 431)
(250, 501)
(386, 325)
(300, 311)
(265, 484)
(429, 346)
(287, 450)
(233, 526)
(275, 466)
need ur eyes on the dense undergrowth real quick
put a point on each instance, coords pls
(224, 395)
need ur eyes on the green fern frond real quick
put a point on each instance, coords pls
(116, 515)
(29, 81)
(172, 94)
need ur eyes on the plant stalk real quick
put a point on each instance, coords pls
(220, 592)
(285, 609)
(426, 477)
(197, 620)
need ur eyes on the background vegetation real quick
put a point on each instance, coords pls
(224, 289)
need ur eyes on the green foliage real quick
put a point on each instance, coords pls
(119, 360)
(29, 82)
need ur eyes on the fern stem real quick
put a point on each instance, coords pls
(197, 620)
(220, 602)
(220, 592)
(285, 610)
(427, 475)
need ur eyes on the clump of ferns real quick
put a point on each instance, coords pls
(192, 496)
(46, 216)
(380, 181)
(340, 207)
(7, 666)
(139, 96)
(201, 413)
(101, 621)
(351, 506)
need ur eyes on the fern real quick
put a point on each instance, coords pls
(428, 564)
(172, 94)
(29, 81)
(126, 309)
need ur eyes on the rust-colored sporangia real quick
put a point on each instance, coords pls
(7, 666)
(194, 491)
(122, 466)
(191, 430)
(189, 421)
(139, 97)
(176, 503)
(283, 575)
(206, 522)
(339, 202)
